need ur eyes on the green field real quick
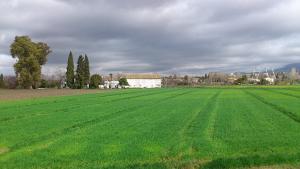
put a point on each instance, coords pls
(154, 128)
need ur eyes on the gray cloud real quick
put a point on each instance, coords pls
(166, 36)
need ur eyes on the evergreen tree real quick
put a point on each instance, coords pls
(2, 84)
(70, 71)
(86, 70)
(79, 79)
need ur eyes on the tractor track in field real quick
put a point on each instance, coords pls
(158, 163)
(297, 90)
(6, 119)
(286, 94)
(188, 128)
(209, 133)
(85, 124)
(210, 106)
(287, 113)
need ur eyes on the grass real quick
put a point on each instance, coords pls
(246, 127)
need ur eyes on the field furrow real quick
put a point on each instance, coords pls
(184, 147)
(288, 113)
(285, 92)
(243, 124)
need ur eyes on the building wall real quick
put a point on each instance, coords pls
(144, 83)
(111, 84)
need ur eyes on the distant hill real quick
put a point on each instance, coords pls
(288, 67)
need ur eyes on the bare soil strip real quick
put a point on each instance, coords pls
(19, 94)
(3, 150)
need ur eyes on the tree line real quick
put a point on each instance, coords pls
(81, 77)
(30, 57)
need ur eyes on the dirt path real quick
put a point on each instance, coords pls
(18, 94)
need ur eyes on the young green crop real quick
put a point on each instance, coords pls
(154, 128)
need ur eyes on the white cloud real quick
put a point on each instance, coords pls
(6, 64)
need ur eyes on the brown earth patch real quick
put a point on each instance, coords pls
(3, 150)
(276, 167)
(18, 94)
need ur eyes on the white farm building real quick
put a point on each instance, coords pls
(143, 80)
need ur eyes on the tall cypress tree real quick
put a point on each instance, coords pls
(86, 70)
(70, 71)
(2, 84)
(79, 80)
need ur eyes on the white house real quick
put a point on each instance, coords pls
(111, 84)
(143, 80)
(270, 77)
(271, 80)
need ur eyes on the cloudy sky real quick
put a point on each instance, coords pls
(165, 36)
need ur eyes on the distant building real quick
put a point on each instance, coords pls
(254, 78)
(111, 84)
(194, 80)
(172, 80)
(293, 75)
(269, 76)
(143, 80)
(231, 78)
(217, 77)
